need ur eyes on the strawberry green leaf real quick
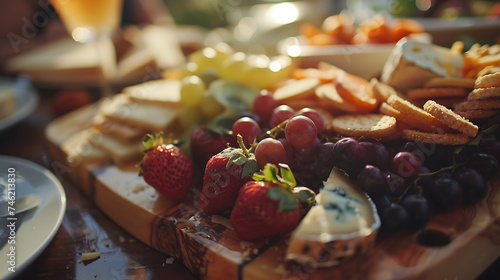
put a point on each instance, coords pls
(305, 195)
(287, 176)
(237, 159)
(287, 201)
(250, 167)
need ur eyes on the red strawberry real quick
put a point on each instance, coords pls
(268, 208)
(165, 167)
(224, 176)
(206, 143)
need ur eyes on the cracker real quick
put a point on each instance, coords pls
(382, 91)
(431, 93)
(467, 83)
(296, 90)
(477, 114)
(484, 93)
(365, 125)
(411, 122)
(450, 118)
(405, 107)
(445, 101)
(330, 98)
(477, 105)
(489, 80)
(441, 139)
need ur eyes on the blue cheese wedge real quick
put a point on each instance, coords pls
(343, 224)
(412, 63)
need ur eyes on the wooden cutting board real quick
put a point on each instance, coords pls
(458, 244)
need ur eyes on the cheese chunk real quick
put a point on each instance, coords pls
(412, 63)
(343, 224)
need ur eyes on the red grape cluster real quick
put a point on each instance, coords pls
(408, 182)
(411, 183)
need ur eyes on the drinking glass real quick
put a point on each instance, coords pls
(94, 21)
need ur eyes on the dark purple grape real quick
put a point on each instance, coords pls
(425, 180)
(395, 218)
(251, 115)
(376, 154)
(381, 202)
(418, 210)
(486, 142)
(414, 148)
(371, 180)
(288, 149)
(494, 150)
(484, 163)
(348, 155)
(307, 154)
(325, 154)
(474, 186)
(395, 184)
(405, 164)
(443, 156)
(446, 193)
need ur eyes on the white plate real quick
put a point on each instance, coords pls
(366, 60)
(26, 100)
(39, 227)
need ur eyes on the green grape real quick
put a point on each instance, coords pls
(259, 72)
(204, 58)
(192, 90)
(235, 67)
(223, 52)
(210, 107)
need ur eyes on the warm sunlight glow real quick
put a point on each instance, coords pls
(284, 13)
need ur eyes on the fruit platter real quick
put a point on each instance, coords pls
(246, 166)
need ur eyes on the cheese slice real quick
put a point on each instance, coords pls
(343, 224)
(412, 63)
(161, 92)
(150, 117)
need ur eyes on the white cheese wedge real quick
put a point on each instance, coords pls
(343, 224)
(161, 92)
(412, 63)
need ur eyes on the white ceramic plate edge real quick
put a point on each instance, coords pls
(53, 197)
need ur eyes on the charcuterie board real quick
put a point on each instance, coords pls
(458, 244)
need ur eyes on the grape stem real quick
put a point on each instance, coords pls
(242, 146)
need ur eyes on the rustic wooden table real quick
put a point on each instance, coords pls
(122, 256)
